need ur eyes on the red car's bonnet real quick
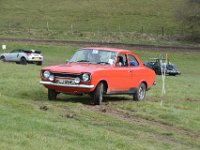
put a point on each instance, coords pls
(76, 68)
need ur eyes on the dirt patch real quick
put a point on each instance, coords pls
(44, 108)
(192, 100)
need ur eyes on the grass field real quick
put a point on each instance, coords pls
(30, 121)
(130, 21)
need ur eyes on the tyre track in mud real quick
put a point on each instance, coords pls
(167, 131)
(102, 44)
(165, 134)
(107, 109)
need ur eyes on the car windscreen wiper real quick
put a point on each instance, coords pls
(102, 62)
(83, 61)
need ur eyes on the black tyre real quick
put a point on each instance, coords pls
(98, 94)
(39, 63)
(23, 61)
(52, 94)
(157, 70)
(140, 93)
(172, 74)
(2, 58)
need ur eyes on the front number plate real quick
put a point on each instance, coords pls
(68, 82)
(37, 58)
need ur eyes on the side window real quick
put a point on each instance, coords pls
(133, 61)
(122, 60)
(14, 51)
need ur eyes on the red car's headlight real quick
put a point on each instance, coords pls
(85, 77)
(46, 74)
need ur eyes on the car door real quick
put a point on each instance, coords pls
(16, 55)
(121, 75)
(13, 54)
(10, 55)
(136, 71)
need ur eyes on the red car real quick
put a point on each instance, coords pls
(98, 71)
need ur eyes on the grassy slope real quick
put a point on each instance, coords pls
(89, 20)
(30, 121)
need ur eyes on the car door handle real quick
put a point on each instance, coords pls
(130, 71)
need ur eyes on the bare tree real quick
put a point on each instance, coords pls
(189, 15)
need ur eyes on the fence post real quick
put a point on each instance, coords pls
(162, 31)
(71, 28)
(47, 26)
(142, 30)
(29, 28)
(9, 26)
(183, 31)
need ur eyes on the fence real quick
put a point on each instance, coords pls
(117, 33)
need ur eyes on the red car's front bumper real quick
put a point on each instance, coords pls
(67, 88)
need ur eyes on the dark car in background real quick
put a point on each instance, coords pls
(159, 65)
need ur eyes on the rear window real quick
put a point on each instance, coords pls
(133, 61)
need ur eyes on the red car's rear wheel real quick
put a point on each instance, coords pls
(140, 92)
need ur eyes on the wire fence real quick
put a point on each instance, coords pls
(47, 29)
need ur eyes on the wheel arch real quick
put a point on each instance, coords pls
(2, 56)
(146, 84)
(22, 57)
(105, 84)
(23, 60)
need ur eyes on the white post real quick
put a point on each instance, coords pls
(4, 47)
(163, 72)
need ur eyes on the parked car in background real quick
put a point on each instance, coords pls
(99, 71)
(22, 56)
(159, 65)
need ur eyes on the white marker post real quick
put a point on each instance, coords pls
(163, 79)
(4, 47)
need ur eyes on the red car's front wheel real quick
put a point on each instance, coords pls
(98, 94)
(52, 94)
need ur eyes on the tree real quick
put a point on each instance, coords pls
(189, 15)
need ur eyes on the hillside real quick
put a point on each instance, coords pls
(129, 21)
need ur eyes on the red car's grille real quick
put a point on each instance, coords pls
(65, 75)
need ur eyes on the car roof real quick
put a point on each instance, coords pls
(158, 58)
(107, 49)
(27, 50)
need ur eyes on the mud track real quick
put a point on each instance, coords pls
(109, 110)
(102, 44)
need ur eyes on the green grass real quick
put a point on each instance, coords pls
(30, 121)
(129, 21)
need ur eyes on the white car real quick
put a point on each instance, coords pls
(21, 56)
